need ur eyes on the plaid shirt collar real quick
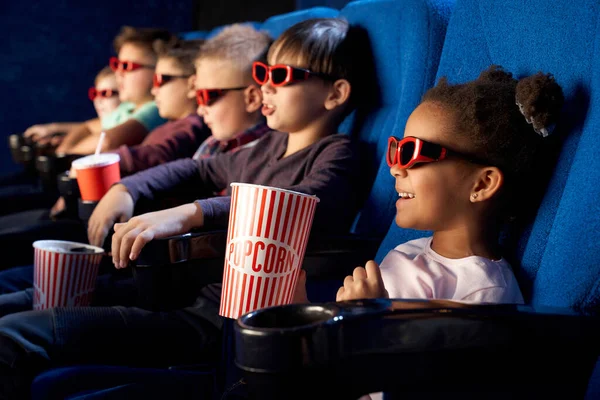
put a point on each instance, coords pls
(212, 146)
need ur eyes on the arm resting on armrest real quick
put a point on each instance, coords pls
(180, 248)
(209, 244)
(166, 265)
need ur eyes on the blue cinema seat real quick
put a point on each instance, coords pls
(192, 35)
(556, 255)
(525, 37)
(277, 24)
(407, 39)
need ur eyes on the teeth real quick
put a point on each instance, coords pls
(268, 105)
(405, 195)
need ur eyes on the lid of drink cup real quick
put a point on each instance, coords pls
(96, 160)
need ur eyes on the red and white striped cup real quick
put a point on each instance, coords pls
(64, 273)
(266, 240)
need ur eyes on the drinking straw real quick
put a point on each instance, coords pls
(99, 146)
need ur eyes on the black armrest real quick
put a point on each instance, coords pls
(76, 208)
(22, 151)
(16, 140)
(47, 148)
(209, 244)
(431, 349)
(180, 248)
(67, 186)
(164, 277)
(170, 272)
(50, 166)
(68, 189)
(335, 256)
(85, 208)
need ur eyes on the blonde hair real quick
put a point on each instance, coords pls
(104, 73)
(241, 44)
(146, 38)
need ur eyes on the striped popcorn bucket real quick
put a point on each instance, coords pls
(266, 240)
(64, 273)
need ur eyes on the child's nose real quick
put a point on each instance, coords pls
(154, 91)
(396, 171)
(201, 110)
(267, 87)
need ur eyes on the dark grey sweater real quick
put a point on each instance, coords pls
(327, 169)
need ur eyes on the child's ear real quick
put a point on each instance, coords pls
(191, 86)
(488, 184)
(253, 98)
(338, 94)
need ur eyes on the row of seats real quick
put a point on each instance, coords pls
(406, 38)
(556, 255)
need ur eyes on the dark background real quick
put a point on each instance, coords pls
(52, 49)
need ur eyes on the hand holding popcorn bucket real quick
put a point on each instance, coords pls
(64, 273)
(266, 240)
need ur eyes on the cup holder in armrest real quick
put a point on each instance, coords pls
(392, 345)
(289, 317)
(164, 278)
(50, 166)
(85, 209)
(20, 148)
(317, 334)
(67, 186)
(24, 155)
(15, 141)
(288, 331)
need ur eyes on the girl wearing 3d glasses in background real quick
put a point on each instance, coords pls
(105, 96)
(105, 93)
(465, 163)
(135, 115)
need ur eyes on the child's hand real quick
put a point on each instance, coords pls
(300, 292)
(58, 207)
(56, 140)
(63, 148)
(37, 132)
(364, 283)
(115, 206)
(131, 237)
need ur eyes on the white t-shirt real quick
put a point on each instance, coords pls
(414, 271)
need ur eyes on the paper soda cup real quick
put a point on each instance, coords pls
(96, 174)
(266, 239)
(64, 273)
